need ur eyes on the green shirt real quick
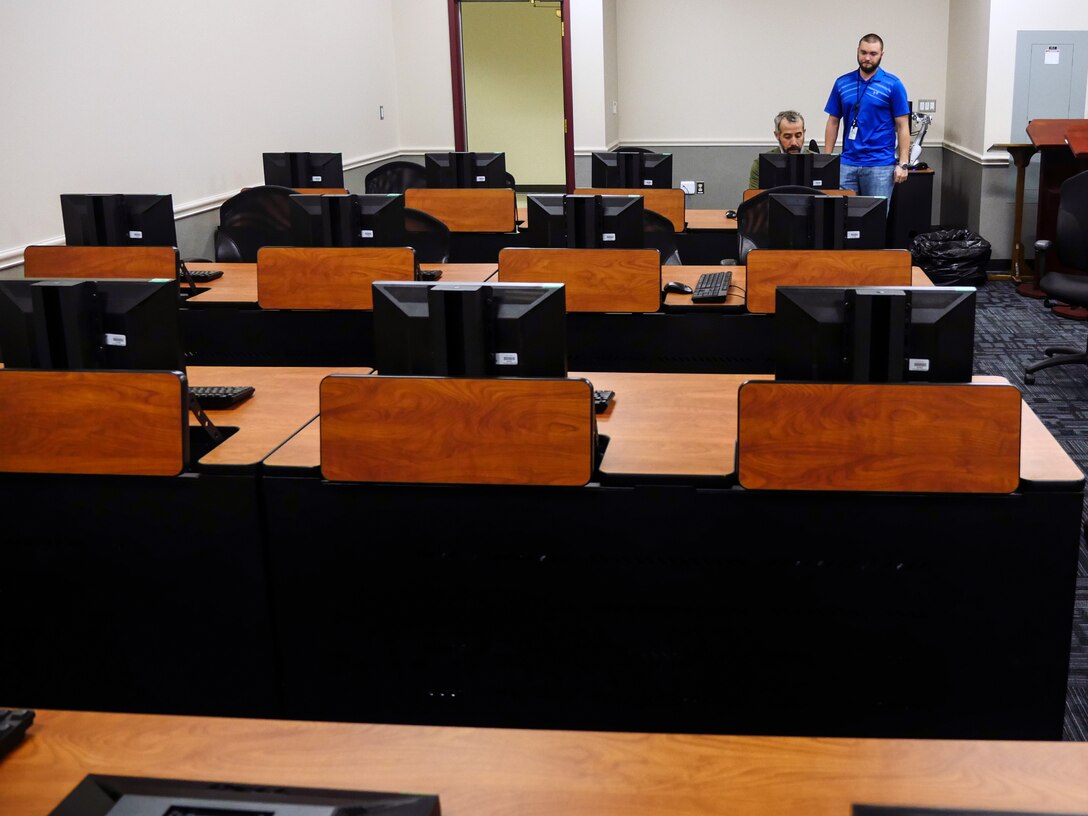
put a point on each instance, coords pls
(753, 177)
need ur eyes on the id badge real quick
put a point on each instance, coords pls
(853, 133)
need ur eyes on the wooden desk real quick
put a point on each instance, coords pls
(1057, 162)
(239, 282)
(710, 220)
(484, 772)
(283, 401)
(1021, 158)
(466, 210)
(665, 202)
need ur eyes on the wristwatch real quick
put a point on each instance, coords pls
(905, 166)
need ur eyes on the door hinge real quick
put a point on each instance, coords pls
(564, 127)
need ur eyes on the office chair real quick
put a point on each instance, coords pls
(753, 221)
(513, 185)
(257, 217)
(396, 177)
(658, 233)
(427, 235)
(1071, 237)
(633, 150)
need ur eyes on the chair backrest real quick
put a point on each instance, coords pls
(257, 217)
(658, 233)
(1071, 230)
(633, 150)
(428, 236)
(396, 177)
(753, 219)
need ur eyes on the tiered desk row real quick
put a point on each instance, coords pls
(716, 552)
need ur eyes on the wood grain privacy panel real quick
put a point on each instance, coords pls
(666, 202)
(753, 193)
(93, 422)
(596, 280)
(770, 268)
(457, 431)
(468, 210)
(903, 438)
(100, 262)
(327, 278)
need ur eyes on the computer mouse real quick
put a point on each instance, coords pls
(678, 287)
(430, 274)
(730, 213)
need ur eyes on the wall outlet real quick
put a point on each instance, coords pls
(700, 188)
(615, 106)
(927, 106)
(688, 187)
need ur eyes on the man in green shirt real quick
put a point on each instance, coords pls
(789, 131)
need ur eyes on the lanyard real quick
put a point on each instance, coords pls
(858, 94)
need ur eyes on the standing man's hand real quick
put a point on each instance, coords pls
(900, 173)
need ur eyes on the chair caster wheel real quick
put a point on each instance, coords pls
(1029, 379)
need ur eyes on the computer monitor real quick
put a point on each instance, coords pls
(866, 222)
(118, 219)
(470, 330)
(586, 221)
(800, 221)
(633, 170)
(303, 170)
(371, 220)
(90, 324)
(465, 169)
(102, 795)
(817, 170)
(875, 334)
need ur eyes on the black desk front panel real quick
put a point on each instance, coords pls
(671, 608)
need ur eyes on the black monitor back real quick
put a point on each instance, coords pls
(463, 169)
(372, 220)
(800, 221)
(118, 219)
(817, 170)
(472, 330)
(77, 324)
(632, 170)
(874, 334)
(586, 221)
(866, 222)
(301, 169)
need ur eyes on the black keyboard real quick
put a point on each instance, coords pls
(601, 400)
(218, 397)
(713, 287)
(203, 275)
(13, 724)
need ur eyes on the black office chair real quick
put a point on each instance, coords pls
(257, 217)
(633, 150)
(513, 185)
(396, 177)
(754, 224)
(428, 236)
(1071, 238)
(658, 233)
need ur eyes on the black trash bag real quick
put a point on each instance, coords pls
(952, 257)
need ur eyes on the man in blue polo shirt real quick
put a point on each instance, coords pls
(873, 106)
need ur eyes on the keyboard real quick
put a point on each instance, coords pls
(601, 400)
(202, 275)
(218, 397)
(13, 724)
(713, 287)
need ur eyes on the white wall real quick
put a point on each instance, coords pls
(423, 80)
(587, 45)
(965, 96)
(717, 71)
(181, 98)
(1007, 17)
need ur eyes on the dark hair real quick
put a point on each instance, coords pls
(872, 38)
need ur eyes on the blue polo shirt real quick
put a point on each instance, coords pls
(883, 97)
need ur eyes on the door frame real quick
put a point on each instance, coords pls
(457, 72)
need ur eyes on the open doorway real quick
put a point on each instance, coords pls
(512, 87)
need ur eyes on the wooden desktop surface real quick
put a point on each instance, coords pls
(239, 281)
(284, 400)
(497, 772)
(690, 276)
(686, 425)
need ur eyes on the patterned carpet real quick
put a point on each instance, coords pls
(1011, 332)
